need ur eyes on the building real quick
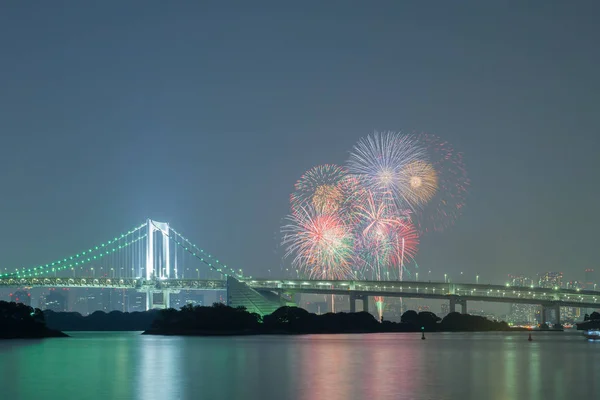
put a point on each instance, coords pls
(80, 305)
(590, 279)
(423, 308)
(56, 301)
(184, 297)
(574, 285)
(120, 300)
(522, 314)
(21, 296)
(94, 300)
(570, 314)
(550, 280)
(520, 281)
(445, 308)
(137, 302)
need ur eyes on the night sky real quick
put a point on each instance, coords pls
(204, 115)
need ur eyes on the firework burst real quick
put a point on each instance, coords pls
(379, 159)
(419, 180)
(364, 221)
(385, 238)
(321, 245)
(323, 188)
(445, 206)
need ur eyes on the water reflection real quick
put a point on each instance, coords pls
(384, 366)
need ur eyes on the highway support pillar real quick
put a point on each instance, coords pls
(167, 298)
(149, 300)
(454, 300)
(352, 303)
(365, 301)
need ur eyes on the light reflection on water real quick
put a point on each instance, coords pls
(128, 366)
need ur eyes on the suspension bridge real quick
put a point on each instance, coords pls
(151, 258)
(158, 261)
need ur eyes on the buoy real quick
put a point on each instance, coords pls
(530, 339)
(423, 336)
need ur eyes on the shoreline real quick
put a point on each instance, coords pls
(47, 334)
(207, 333)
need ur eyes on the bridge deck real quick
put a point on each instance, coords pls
(436, 290)
(116, 283)
(426, 290)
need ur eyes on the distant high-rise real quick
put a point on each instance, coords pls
(575, 285)
(80, 305)
(522, 314)
(137, 302)
(21, 296)
(551, 279)
(121, 300)
(94, 301)
(520, 280)
(445, 308)
(590, 278)
(56, 301)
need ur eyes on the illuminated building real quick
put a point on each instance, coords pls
(445, 308)
(80, 305)
(574, 285)
(56, 301)
(520, 281)
(137, 302)
(21, 296)
(187, 297)
(551, 279)
(94, 301)
(120, 300)
(590, 278)
(522, 314)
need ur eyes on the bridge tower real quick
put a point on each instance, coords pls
(159, 268)
(165, 266)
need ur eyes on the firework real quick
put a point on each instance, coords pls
(445, 206)
(365, 221)
(385, 238)
(323, 188)
(419, 180)
(321, 245)
(379, 159)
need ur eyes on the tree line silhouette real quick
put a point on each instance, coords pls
(18, 320)
(222, 320)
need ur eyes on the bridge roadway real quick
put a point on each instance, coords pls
(117, 283)
(456, 293)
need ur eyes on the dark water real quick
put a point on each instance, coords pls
(378, 366)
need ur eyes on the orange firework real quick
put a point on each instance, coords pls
(327, 199)
(419, 181)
